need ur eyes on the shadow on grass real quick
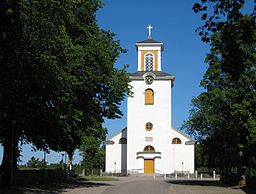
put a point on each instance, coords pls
(50, 188)
(214, 183)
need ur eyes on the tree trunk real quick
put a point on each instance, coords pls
(70, 158)
(10, 155)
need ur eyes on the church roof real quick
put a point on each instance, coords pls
(158, 75)
(149, 40)
(185, 135)
(122, 131)
(191, 141)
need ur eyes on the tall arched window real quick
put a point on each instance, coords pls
(149, 97)
(176, 140)
(149, 149)
(149, 62)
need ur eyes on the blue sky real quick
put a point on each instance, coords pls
(174, 24)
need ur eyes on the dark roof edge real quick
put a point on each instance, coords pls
(185, 135)
(139, 75)
(149, 40)
(109, 139)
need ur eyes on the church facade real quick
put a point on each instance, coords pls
(149, 144)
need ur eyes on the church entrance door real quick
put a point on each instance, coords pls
(148, 166)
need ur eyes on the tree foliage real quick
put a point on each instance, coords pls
(36, 163)
(93, 151)
(223, 117)
(57, 77)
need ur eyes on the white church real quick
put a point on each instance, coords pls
(149, 144)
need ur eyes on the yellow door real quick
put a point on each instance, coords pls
(148, 166)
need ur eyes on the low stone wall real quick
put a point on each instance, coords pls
(25, 177)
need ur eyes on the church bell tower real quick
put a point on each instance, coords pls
(149, 53)
(149, 110)
(149, 144)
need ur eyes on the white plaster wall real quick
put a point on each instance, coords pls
(159, 114)
(181, 153)
(172, 156)
(157, 163)
(140, 165)
(116, 155)
(183, 158)
(156, 47)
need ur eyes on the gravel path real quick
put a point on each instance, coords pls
(201, 187)
(97, 187)
(140, 187)
(134, 185)
(148, 185)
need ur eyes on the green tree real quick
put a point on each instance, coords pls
(36, 163)
(93, 151)
(199, 156)
(57, 77)
(223, 117)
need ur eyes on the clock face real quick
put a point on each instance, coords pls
(149, 80)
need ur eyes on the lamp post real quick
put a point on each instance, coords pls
(182, 167)
(240, 163)
(62, 160)
(44, 158)
(65, 158)
(115, 167)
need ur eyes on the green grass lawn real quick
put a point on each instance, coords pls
(99, 178)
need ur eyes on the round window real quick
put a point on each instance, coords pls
(149, 126)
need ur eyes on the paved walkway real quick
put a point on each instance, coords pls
(135, 185)
(140, 187)
(148, 185)
(203, 187)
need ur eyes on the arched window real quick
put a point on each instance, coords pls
(122, 140)
(176, 140)
(149, 62)
(149, 97)
(149, 149)
(149, 126)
